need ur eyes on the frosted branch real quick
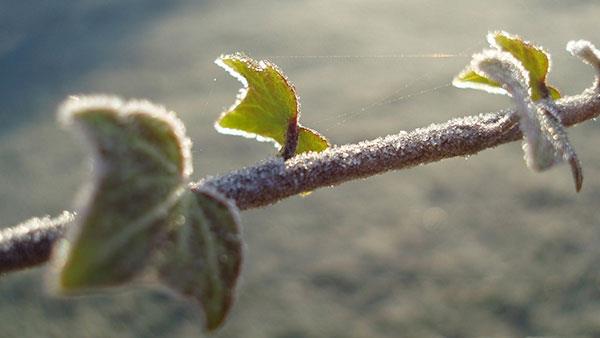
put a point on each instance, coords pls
(273, 180)
(30, 242)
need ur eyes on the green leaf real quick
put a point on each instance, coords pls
(554, 92)
(533, 58)
(267, 108)
(202, 260)
(141, 169)
(310, 140)
(140, 211)
(470, 79)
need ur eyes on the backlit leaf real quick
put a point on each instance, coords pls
(470, 79)
(310, 140)
(533, 58)
(554, 93)
(266, 108)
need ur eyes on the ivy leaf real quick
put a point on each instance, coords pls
(533, 58)
(266, 108)
(545, 141)
(141, 168)
(140, 211)
(202, 260)
(310, 140)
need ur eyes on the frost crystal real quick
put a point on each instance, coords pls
(586, 51)
(502, 67)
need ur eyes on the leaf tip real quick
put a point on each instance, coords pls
(469, 79)
(171, 124)
(577, 173)
(71, 108)
(492, 37)
(75, 109)
(311, 140)
(228, 62)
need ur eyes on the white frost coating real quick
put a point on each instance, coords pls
(503, 68)
(586, 51)
(76, 105)
(237, 132)
(219, 62)
(540, 151)
(33, 230)
(557, 135)
(491, 38)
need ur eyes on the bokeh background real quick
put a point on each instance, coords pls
(477, 247)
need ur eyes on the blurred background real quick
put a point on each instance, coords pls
(477, 247)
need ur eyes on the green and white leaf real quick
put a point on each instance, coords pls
(468, 78)
(533, 58)
(545, 142)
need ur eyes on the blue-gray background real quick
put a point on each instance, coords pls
(462, 248)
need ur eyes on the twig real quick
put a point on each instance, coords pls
(30, 243)
(273, 180)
